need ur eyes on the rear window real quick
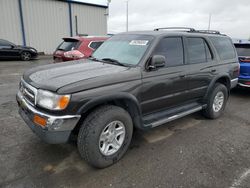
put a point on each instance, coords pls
(95, 44)
(224, 47)
(243, 49)
(68, 45)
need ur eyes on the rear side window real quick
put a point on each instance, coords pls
(94, 45)
(172, 49)
(68, 45)
(224, 47)
(198, 51)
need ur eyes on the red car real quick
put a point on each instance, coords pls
(73, 48)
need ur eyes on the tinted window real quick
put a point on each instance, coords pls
(243, 49)
(172, 49)
(224, 47)
(198, 51)
(5, 43)
(95, 45)
(68, 45)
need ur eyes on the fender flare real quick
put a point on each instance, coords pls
(132, 103)
(215, 79)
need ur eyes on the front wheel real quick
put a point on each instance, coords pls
(216, 101)
(25, 56)
(105, 135)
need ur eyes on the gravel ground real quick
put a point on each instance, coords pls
(190, 152)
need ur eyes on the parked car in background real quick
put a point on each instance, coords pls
(74, 48)
(243, 50)
(9, 50)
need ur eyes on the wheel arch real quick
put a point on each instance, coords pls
(124, 100)
(223, 79)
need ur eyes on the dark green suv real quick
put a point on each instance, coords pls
(134, 80)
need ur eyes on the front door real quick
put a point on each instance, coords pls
(165, 87)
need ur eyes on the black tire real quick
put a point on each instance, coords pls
(91, 129)
(25, 56)
(209, 112)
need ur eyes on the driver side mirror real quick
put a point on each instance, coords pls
(157, 61)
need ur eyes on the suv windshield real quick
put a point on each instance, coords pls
(68, 45)
(126, 49)
(243, 49)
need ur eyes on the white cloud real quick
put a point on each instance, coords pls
(228, 16)
(98, 2)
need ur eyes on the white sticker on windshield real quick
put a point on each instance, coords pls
(139, 42)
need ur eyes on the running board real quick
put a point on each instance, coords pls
(176, 116)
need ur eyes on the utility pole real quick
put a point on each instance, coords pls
(209, 21)
(127, 16)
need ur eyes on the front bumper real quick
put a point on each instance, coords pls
(57, 129)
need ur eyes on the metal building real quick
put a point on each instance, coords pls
(43, 23)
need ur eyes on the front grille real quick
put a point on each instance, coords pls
(28, 92)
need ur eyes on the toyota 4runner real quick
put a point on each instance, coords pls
(134, 80)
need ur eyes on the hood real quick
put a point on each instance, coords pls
(25, 47)
(74, 76)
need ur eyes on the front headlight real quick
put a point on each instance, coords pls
(51, 101)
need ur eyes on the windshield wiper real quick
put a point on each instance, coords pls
(114, 61)
(95, 59)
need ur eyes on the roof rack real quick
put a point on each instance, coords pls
(188, 29)
(175, 28)
(208, 31)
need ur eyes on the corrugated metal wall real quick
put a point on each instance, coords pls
(91, 20)
(10, 27)
(47, 21)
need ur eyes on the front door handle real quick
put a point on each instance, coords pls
(182, 76)
(213, 70)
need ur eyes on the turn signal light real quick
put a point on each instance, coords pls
(63, 102)
(39, 120)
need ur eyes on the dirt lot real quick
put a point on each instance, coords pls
(190, 152)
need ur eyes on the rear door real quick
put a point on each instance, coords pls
(165, 87)
(201, 66)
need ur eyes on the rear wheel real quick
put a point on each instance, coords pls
(105, 135)
(216, 101)
(25, 56)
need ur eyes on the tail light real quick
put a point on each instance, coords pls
(238, 70)
(245, 59)
(74, 54)
(247, 83)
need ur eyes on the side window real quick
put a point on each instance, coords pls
(224, 47)
(4, 44)
(95, 45)
(198, 51)
(172, 49)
